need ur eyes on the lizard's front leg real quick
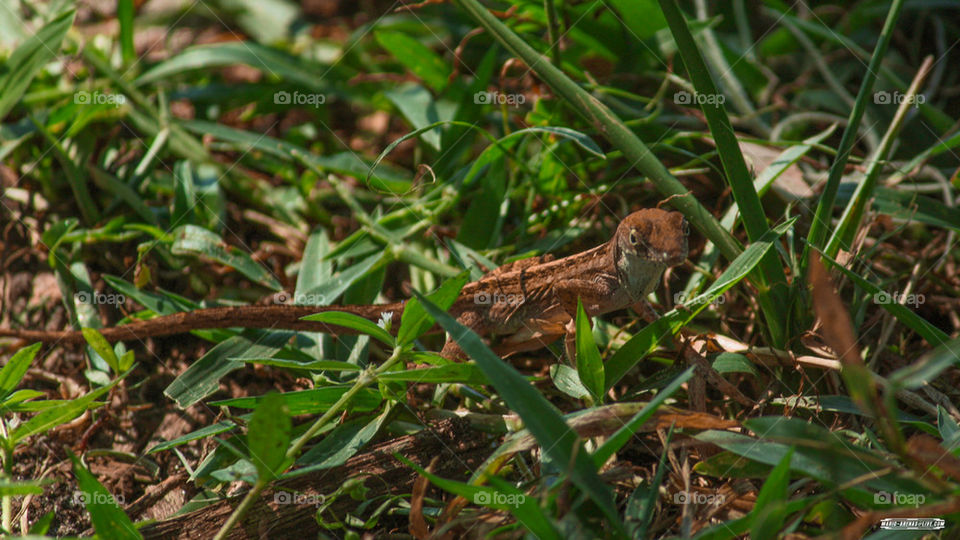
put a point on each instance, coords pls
(645, 310)
(472, 320)
(592, 294)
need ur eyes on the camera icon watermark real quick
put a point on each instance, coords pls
(98, 298)
(82, 97)
(299, 98)
(682, 97)
(914, 300)
(490, 497)
(496, 98)
(899, 499)
(695, 497)
(487, 299)
(882, 97)
(299, 499)
(301, 299)
(683, 299)
(84, 498)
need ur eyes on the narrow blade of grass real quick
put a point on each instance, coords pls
(822, 217)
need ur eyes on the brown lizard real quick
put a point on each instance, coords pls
(527, 303)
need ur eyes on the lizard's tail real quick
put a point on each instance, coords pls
(281, 316)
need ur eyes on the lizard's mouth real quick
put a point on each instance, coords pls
(667, 258)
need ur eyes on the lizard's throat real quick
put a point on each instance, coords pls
(638, 275)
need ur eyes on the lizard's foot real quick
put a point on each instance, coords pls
(472, 320)
(570, 341)
(452, 351)
(645, 310)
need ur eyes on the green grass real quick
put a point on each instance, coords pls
(371, 156)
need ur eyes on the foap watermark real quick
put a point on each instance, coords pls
(82, 97)
(299, 499)
(485, 298)
(914, 300)
(489, 497)
(496, 98)
(883, 97)
(299, 98)
(899, 499)
(696, 497)
(82, 497)
(98, 298)
(685, 299)
(303, 299)
(682, 97)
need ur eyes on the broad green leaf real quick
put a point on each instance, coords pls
(109, 521)
(29, 487)
(161, 304)
(265, 21)
(51, 418)
(589, 363)
(729, 465)
(14, 370)
(267, 59)
(193, 240)
(568, 381)
(113, 185)
(734, 363)
(202, 378)
(96, 340)
(342, 443)
(356, 322)
(316, 365)
(313, 401)
(422, 111)
(419, 59)
(126, 361)
(269, 435)
(41, 526)
(184, 195)
(949, 430)
(415, 320)
(330, 289)
(18, 401)
(202, 433)
(451, 373)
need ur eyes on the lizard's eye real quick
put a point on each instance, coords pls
(685, 227)
(634, 239)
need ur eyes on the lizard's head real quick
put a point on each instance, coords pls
(655, 235)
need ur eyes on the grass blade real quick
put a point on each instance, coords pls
(822, 217)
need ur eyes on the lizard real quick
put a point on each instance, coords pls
(527, 303)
